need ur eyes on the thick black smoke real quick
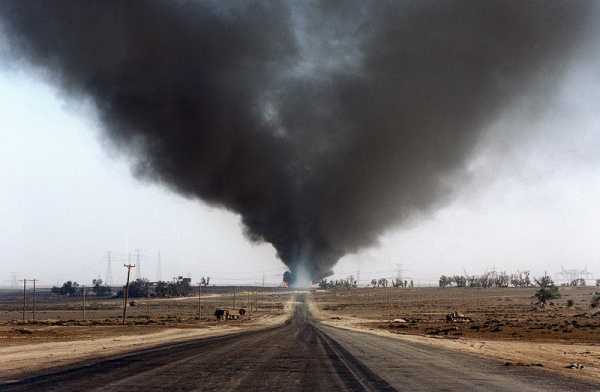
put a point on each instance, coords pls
(320, 123)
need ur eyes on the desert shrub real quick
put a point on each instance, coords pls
(547, 291)
(595, 300)
(570, 303)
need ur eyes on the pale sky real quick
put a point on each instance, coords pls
(66, 200)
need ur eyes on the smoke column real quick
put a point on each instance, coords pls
(322, 124)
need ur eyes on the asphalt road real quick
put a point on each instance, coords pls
(299, 356)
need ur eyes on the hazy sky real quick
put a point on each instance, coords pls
(66, 200)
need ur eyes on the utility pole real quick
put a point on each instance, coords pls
(390, 302)
(24, 297)
(234, 289)
(34, 280)
(83, 292)
(262, 291)
(199, 303)
(386, 301)
(126, 293)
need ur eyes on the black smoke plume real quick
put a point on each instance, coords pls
(320, 123)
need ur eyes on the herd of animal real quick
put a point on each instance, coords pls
(227, 314)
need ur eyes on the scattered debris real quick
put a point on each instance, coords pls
(575, 365)
(456, 317)
(523, 364)
(399, 323)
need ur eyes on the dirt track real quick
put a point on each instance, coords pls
(299, 356)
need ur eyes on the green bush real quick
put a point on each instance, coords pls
(595, 300)
(547, 291)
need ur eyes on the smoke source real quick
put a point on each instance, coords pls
(321, 124)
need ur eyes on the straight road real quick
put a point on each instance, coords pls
(299, 356)
(415, 367)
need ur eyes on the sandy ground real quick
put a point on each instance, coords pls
(20, 359)
(300, 357)
(552, 356)
(51, 307)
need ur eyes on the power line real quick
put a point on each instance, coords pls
(24, 297)
(83, 294)
(34, 299)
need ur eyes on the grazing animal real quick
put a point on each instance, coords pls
(221, 314)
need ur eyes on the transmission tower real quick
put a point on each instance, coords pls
(569, 275)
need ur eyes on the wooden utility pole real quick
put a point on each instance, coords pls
(390, 302)
(234, 290)
(199, 301)
(83, 292)
(34, 280)
(24, 297)
(262, 291)
(126, 292)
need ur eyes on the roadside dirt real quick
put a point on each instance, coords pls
(496, 314)
(45, 346)
(515, 341)
(298, 356)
